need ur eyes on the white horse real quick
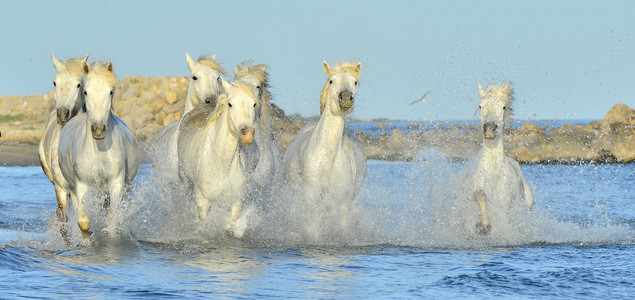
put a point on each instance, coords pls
(323, 165)
(204, 87)
(68, 87)
(209, 158)
(495, 179)
(263, 157)
(96, 148)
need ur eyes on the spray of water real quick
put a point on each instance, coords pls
(420, 204)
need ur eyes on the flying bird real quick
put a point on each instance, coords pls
(422, 99)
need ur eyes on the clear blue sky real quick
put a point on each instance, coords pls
(566, 59)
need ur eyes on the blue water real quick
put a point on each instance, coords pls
(371, 128)
(578, 242)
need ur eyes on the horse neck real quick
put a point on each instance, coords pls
(191, 100)
(224, 142)
(264, 121)
(493, 150)
(329, 132)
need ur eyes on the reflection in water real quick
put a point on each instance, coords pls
(329, 274)
(224, 270)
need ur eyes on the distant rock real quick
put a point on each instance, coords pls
(384, 127)
(620, 113)
(148, 104)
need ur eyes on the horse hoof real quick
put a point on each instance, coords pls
(482, 229)
(88, 237)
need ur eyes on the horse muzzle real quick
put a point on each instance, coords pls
(211, 100)
(346, 101)
(489, 130)
(98, 131)
(247, 136)
(63, 114)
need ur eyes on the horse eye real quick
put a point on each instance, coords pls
(54, 83)
(85, 93)
(258, 87)
(218, 79)
(330, 81)
(79, 85)
(479, 107)
(504, 107)
(254, 104)
(355, 82)
(194, 77)
(111, 93)
(230, 105)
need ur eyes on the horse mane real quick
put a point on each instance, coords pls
(104, 70)
(207, 114)
(258, 72)
(74, 66)
(502, 92)
(212, 63)
(245, 89)
(349, 67)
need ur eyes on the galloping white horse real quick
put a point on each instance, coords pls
(263, 157)
(69, 101)
(204, 87)
(209, 157)
(495, 179)
(96, 148)
(323, 165)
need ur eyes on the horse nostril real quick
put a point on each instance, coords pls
(210, 100)
(63, 115)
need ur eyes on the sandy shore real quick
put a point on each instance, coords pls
(13, 154)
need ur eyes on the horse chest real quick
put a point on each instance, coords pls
(98, 164)
(332, 173)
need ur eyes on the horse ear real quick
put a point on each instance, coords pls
(59, 66)
(327, 69)
(358, 68)
(226, 84)
(481, 92)
(110, 67)
(214, 57)
(190, 61)
(85, 65)
(239, 68)
(264, 68)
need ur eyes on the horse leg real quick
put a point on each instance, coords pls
(483, 227)
(116, 190)
(78, 203)
(62, 209)
(202, 204)
(237, 230)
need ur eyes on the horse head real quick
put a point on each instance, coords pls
(496, 108)
(205, 79)
(257, 78)
(241, 110)
(68, 87)
(99, 92)
(339, 91)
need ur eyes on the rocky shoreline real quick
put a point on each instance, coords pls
(148, 104)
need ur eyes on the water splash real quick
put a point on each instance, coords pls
(404, 204)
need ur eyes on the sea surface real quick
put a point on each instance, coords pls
(373, 129)
(577, 242)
